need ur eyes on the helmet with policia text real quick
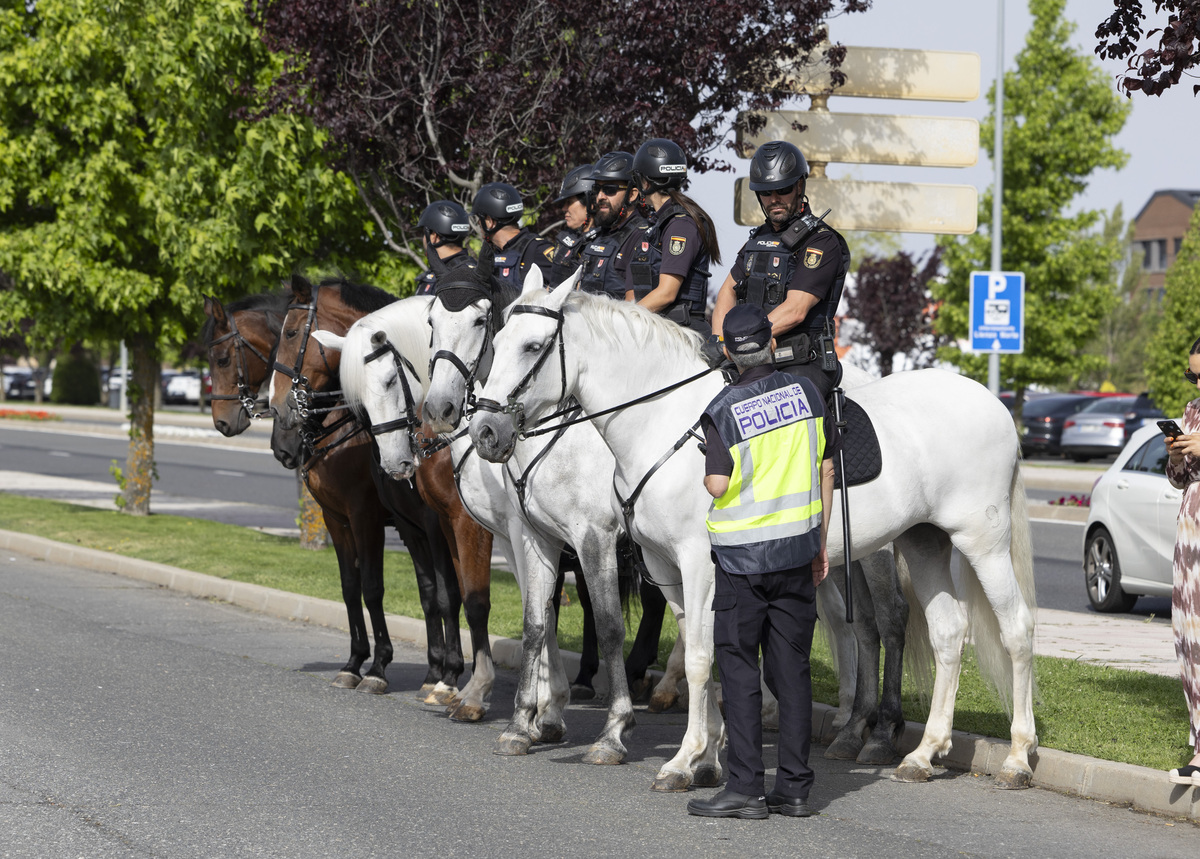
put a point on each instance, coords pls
(661, 164)
(447, 219)
(777, 165)
(499, 201)
(578, 183)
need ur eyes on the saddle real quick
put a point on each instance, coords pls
(860, 448)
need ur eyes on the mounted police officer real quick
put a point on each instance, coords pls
(446, 226)
(614, 206)
(497, 211)
(669, 269)
(573, 197)
(768, 525)
(794, 266)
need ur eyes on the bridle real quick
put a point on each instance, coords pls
(305, 398)
(247, 397)
(410, 423)
(483, 360)
(514, 407)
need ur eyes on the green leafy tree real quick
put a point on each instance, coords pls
(1060, 114)
(1178, 328)
(129, 186)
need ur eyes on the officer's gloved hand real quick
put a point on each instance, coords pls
(713, 351)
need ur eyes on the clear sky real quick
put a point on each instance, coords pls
(1161, 134)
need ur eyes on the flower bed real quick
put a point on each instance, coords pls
(1074, 501)
(28, 415)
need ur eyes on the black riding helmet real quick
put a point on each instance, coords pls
(578, 183)
(776, 165)
(613, 168)
(447, 219)
(661, 164)
(499, 201)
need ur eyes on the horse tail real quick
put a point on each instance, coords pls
(994, 662)
(629, 576)
(918, 652)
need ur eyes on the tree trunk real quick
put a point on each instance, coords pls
(139, 466)
(887, 358)
(313, 534)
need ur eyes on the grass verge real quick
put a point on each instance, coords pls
(1107, 713)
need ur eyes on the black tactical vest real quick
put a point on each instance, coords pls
(599, 257)
(647, 263)
(509, 267)
(426, 283)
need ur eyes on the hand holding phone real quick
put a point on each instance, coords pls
(1170, 429)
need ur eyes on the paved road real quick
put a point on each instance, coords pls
(135, 722)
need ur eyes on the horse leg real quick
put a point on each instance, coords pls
(449, 607)
(849, 740)
(891, 618)
(582, 688)
(644, 651)
(843, 644)
(554, 692)
(370, 570)
(666, 693)
(599, 559)
(350, 674)
(926, 548)
(473, 549)
(417, 544)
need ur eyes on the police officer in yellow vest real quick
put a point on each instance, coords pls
(769, 470)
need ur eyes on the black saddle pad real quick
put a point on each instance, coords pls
(860, 448)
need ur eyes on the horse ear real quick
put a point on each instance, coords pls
(435, 262)
(560, 293)
(378, 338)
(574, 279)
(214, 309)
(534, 279)
(486, 264)
(301, 289)
(329, 340)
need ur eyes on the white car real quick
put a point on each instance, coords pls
(1129, 542)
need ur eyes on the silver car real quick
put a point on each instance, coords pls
(1129, 542)
(1098, 429)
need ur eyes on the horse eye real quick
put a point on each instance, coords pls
(481, 321)
(533, 348)
(290, 333)
(223, 362)
(389, 384)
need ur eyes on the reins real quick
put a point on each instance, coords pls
(245, 396)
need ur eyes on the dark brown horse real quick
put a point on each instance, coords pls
(240, 340)
(304, 374)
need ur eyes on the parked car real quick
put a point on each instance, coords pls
(1129, 541)
(183, 387)
(19, 385)
(1098, 429)
(1042, 421)
(1141, 413)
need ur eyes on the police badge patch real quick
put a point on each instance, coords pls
(549, 253)
(677, 245)
(812, 257)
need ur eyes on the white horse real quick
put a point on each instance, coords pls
(530, 524)
(950, 480)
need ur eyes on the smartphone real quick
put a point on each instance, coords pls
(1170, 429)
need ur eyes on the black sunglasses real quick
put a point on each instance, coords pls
(1190, 376)
(778, 192)
(610, 190)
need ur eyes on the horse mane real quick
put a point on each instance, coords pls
(272, 304)
(626, 325)
(503, 294)
(360, 296)
(406, 323)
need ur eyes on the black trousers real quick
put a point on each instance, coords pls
(776, 611)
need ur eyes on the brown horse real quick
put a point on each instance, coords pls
(240, 339)
(304, 374)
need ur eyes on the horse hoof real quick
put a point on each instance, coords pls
(512, 746)
(466, 713)
(424, 691)
(844, 748)
(441, 697)
(603, 756)
(671, 782)
(706, 775)
(912, 773)
(639, 690)
(1014, 780)
(373, 685)
(580, 692)
(552, 734)
(876, 754)
(661, 702)
(346, 680)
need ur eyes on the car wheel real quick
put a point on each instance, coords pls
(1079, 457)
(1102, 574)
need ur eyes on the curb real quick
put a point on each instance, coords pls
(1140, 788)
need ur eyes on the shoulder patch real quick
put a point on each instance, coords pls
(812, 257)
(548, 253)
(678, 243)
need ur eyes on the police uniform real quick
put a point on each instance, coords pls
(525, 250)
(807, 256)
(568, 245)
(768, 433)
(427, 284)
(671, 244)
(605, 257)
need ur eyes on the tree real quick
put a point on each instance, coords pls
(1178, 328)
(128, 186)
(1059, 117)
(891, 302)
(430, 100)
(1156, 69)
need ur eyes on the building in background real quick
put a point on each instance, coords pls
(1158, 233)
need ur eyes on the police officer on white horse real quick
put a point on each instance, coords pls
(619, 223)
(497, 211)
(445, 227)
(573, 197)
(794, 266)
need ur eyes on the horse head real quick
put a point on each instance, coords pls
(239, 340)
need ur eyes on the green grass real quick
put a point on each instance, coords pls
(1107, 713)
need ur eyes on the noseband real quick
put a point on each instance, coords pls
(410, 422)
(245, 396)
(515, 407)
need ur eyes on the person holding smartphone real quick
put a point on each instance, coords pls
(1183, 470)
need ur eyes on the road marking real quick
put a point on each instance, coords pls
(225, 473)
(1057, 522)
(58, 453)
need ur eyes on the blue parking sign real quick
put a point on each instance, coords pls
(998, 311)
